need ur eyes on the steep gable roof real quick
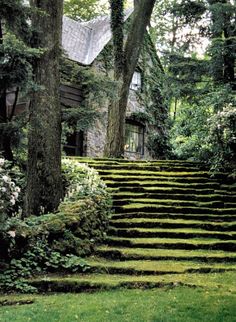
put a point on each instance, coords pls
(83, 41)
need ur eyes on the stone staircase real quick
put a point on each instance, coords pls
(173, 223)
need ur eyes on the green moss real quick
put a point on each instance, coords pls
(157, 266)
(174, 253)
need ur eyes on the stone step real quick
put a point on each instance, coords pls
(155, 173)
(174, 196)
(178, 233)
(165, 243)
(155, 215)
(148, 208)
(91, 282)
(148, 178)
(122, 162)
(160, 190)
(171, 202)
(173, 223)
(167, 184)
(151, 267)
(118, 253)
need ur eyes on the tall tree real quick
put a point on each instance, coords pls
(44, 181)
(126, 58)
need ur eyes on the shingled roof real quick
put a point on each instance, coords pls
(83, 41)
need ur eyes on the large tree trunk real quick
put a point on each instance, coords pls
(44, 182)
(123, 74)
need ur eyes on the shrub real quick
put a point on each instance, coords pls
(55, 241)
(9, 193)
(222, 127)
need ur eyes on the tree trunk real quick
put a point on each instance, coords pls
(115, 140)
(44, 181)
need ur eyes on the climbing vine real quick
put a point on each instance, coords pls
(153, 98)
(117, 26)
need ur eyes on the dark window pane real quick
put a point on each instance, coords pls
(134, 138)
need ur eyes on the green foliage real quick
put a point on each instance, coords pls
(16, 71)
(153, 98)
(83, 10)
(16, 15)
(199, 86)
(95, 87)
(55, 241)
(223, 137)
(157, 145)
(38, 259)
(15, 61)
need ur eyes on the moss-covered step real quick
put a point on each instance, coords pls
(174, 196)
(132, 162)
(123, 253)
(183, 233)
(231, 188)
(171, 243)
(142, 166)
(163, 184)
(171, 202)
(148, 267)
(83, 282)
(132, 172)
(144, 178)
(173, 223)
(156, 215)
(161, 190)
(142, 207)
(116, 194)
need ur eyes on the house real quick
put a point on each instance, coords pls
(86, 43)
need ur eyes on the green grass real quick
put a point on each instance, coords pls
(179, 304)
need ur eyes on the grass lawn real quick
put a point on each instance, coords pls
(177, 304)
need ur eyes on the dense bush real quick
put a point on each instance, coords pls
(55, 241)
(202, 134)
(222, 130)
(9, 193)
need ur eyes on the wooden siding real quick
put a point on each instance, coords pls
(70, 96)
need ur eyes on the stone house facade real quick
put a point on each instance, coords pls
(87, 43)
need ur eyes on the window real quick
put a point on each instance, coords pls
(136, 82)
(134, 138)
(74, 144)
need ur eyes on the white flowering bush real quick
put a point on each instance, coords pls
(9, 192)
(81, 180)
(222, 136)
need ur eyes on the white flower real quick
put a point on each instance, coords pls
(6, 178)
(15, 194)
(12, 201)
(12, 233)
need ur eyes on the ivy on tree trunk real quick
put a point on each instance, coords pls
(125, 61)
